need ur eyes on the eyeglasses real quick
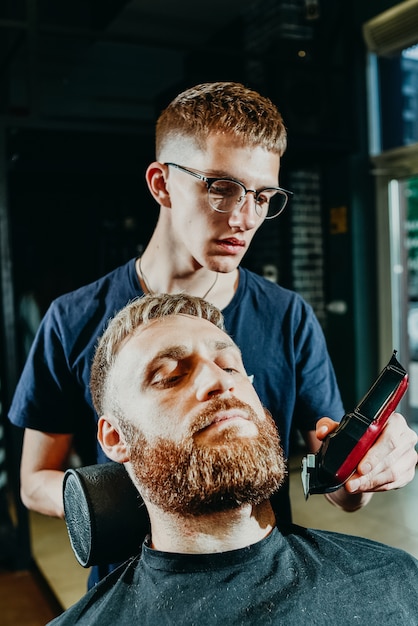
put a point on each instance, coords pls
(226, 195)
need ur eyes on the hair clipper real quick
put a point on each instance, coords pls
(342, 450)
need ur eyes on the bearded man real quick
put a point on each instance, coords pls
(178, 409)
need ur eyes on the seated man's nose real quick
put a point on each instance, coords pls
(213, 381)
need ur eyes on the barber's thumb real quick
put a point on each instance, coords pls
(324, 427)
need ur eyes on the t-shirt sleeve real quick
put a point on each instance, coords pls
(317, 394)
(47, 396)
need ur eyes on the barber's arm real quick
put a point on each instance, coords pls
(44, 460)
(389, 464)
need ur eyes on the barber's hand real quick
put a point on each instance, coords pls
(389, 464)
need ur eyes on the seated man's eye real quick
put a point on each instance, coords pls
(167, 381)
(167, 375)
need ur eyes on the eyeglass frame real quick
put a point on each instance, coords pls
(212, 180)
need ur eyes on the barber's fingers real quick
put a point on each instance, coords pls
(324, 427)
(391, 461)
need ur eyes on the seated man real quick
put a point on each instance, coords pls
(178, 409)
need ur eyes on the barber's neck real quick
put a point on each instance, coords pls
(167, 266)
(214, 532)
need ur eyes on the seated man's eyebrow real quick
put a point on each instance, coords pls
(226, 345)
(178, 352)
(173, 353)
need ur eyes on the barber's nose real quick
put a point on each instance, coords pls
(211, 380)
(245, 215)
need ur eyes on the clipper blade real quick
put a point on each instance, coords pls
(308, 465)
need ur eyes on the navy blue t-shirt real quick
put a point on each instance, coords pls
(281, 341)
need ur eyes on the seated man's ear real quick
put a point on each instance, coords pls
(111, 440)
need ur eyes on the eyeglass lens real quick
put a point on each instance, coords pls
(226, 195)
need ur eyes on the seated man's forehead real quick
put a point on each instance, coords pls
(179, 327)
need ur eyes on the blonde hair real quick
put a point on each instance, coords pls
(222, 107)
(123, 325)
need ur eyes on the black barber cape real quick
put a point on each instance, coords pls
(294, 577)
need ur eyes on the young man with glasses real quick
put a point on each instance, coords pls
(216, 179)
(177, 408)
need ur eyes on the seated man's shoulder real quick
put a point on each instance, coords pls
(363, 553)
(106, 603)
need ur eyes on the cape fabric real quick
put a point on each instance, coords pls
(295, 577)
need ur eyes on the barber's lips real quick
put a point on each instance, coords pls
(232, 244)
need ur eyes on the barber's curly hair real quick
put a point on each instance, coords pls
(138, 312)
(224, 108)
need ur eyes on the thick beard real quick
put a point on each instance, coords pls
(194, 479)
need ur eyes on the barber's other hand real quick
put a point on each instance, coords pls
(389, 464)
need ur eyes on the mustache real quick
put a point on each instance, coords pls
(206, 417)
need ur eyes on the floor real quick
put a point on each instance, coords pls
(25, 600)
(390, 517)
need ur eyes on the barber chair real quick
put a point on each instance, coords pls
(106, 518)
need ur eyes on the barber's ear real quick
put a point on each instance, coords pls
(156, 180)
(111, 440)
